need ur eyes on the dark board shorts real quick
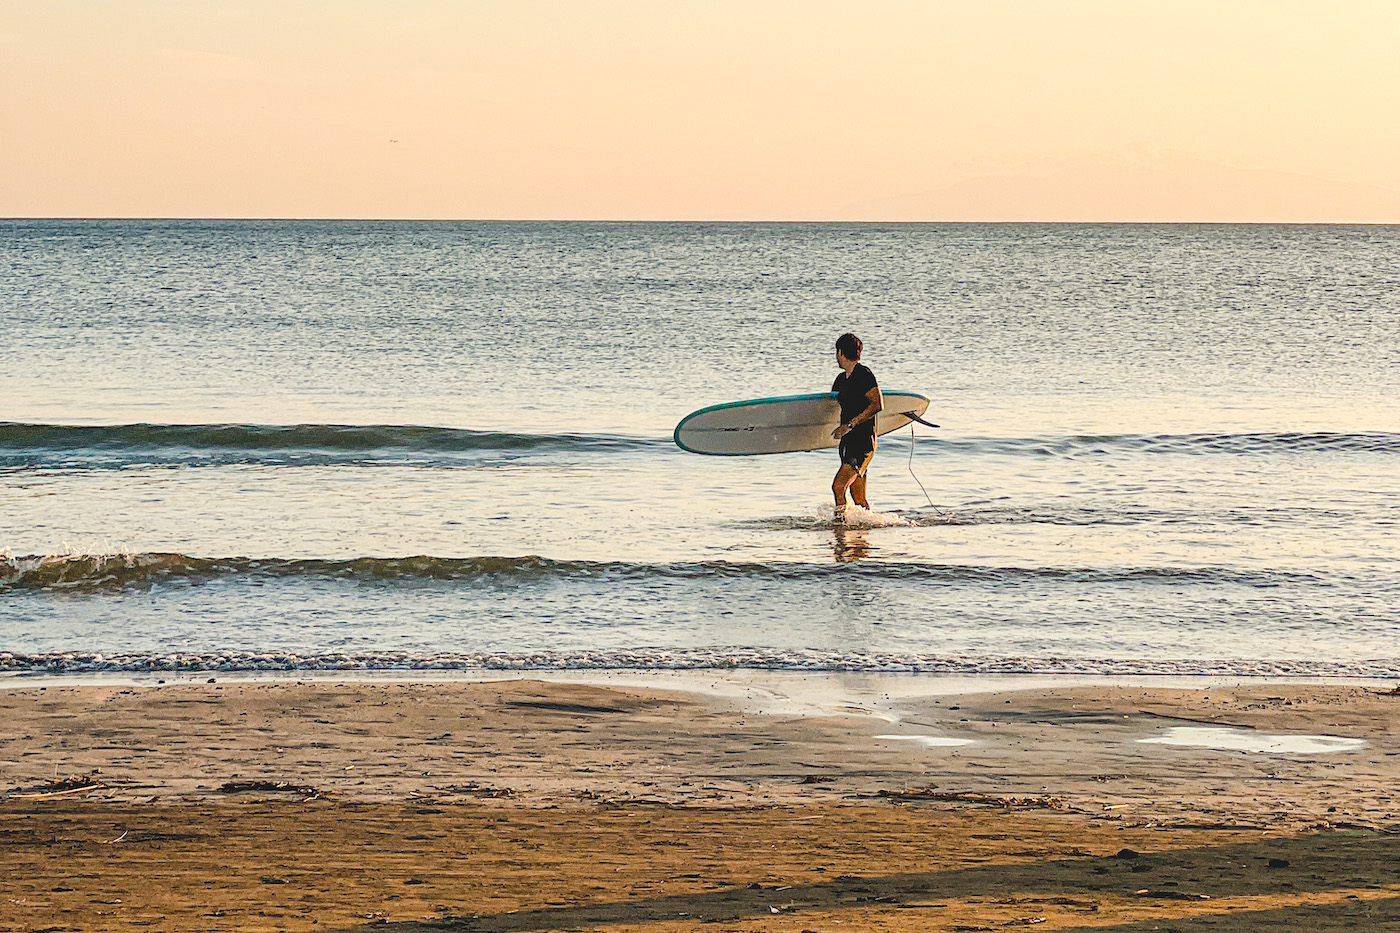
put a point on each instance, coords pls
(857, 455)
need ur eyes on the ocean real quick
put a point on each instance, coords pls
(315, 445)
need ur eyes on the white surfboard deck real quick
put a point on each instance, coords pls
(782, 425)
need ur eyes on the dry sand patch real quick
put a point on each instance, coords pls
(540, 806)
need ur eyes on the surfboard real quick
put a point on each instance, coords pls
(782, 425)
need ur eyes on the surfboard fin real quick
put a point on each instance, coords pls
(912, 416)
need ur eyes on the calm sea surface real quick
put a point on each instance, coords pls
(297, 445)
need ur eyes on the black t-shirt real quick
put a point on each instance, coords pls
(851, 392)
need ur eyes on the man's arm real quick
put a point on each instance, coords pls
(872, 411)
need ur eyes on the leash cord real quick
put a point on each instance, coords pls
(911, 466)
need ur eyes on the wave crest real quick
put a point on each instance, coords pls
(23, 444)
(114, 572)
(1248, 443)
(97, 572)
(26, 445)
(709, 659)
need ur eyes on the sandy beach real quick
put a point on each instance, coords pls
(530, 805)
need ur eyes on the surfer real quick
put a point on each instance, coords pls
(859, 396)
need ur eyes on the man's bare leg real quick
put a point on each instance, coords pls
(858, 491)
(845, 477)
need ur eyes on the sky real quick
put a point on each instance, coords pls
(896, 110)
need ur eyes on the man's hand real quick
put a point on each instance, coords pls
(877, 402)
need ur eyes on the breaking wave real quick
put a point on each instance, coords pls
(1255, 443)
(29, 446)
(71, 662)
(39, 445)
(116, 572)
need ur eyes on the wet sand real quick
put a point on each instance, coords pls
(552, 806)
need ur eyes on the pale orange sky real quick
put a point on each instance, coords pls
(1226, 110)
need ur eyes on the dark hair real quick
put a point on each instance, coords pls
(849, 346)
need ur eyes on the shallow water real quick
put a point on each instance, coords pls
(301, 445)
(1244, 740)
(927, 741)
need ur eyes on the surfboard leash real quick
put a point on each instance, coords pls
(912, 436)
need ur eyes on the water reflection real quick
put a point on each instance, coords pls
(850, 545)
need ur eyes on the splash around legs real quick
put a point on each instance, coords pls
(848, 478)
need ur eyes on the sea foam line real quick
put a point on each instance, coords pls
(98, 573)
(78, 662)
(33, 444)
(1245, 443)
(133, 439)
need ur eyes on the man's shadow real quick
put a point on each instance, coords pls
(1314, 864)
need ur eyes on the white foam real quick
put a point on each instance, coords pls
(928, 741)
(857, 517)
(1243, 740)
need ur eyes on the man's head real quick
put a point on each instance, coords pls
(849, 346)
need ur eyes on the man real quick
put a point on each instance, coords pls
(860, 399)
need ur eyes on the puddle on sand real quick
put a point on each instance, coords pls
(1243, 740)
(927, 741)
